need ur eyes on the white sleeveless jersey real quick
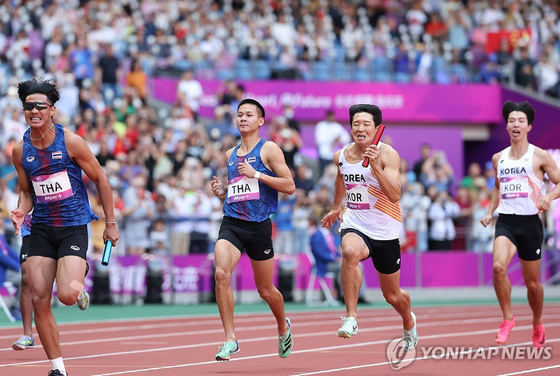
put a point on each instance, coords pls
(520, 189)
(368, 209)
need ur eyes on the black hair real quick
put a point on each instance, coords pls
(370, 109)
(34, 86)
(253, 102)
(524, 107)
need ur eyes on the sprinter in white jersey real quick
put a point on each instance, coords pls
(371, 221)
(519, 195)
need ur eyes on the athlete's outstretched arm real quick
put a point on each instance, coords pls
(82, 155)
(25, 200)
(553, 172)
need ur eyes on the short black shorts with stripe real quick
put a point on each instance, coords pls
(524, 231)
(58, 242)
(24, 249)
(254, 237)
(385, 254)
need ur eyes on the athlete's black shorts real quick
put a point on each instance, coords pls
(254, 237)
(24, 249)
(385, 254)
(525, 232)
(57, 242)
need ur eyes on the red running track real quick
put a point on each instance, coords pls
(454, 341)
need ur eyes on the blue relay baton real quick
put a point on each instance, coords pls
(107, 253)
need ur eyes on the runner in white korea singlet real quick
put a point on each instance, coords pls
(366, 203)
(520, 189)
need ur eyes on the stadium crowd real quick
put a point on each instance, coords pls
(160, 162)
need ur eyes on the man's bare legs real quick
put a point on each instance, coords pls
(226, 257)
(504, 250)
(535, 294)
(354, 250)
(41, 281)
(263, 272)
(25, 303)
(397, 297)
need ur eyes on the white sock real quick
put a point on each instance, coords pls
(58, 364)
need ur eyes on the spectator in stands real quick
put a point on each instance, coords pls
(12, 128)
(463, 222)
(504, 57)
(138, 212)
(284, 240)
(182, 209)
(137, 79)
(81, 61)
(220, 125)
(8, 173)
(425, 152)
(437, 171)
(402, 65)
(159, 238)
(9, 260)
(489, 175)
(288, 139)
(304, 178)
(189, 93)
(407, 176)
(482, 237)
(474, 179)
(326, 179)
(416, 19)
(458, 27)
(104, 154)
(328, 258)
(288, 113)
(130, 168)
(109, 75)
(524, 69)
(441, 213)
(300, 221)
(329, 136)
(415, 205)
(546, 75)
(436, 28)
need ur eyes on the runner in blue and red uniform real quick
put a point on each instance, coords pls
(257, 171)
(49, 162)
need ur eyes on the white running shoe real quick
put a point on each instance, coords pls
(349, 327)
(410, 337)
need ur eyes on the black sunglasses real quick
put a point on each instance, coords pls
(28, 106)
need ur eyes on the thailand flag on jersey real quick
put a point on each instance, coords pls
(56, 155)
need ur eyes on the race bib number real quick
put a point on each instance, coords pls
(357, 197)
(243, 188)
(52, 188)
(514, 187)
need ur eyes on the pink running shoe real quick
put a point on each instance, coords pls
(539, 336)
(505, 329)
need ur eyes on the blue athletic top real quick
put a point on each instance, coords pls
(247, 198)
(60, 197)
(26, 226)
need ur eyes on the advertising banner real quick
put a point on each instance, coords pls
(400, 103)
